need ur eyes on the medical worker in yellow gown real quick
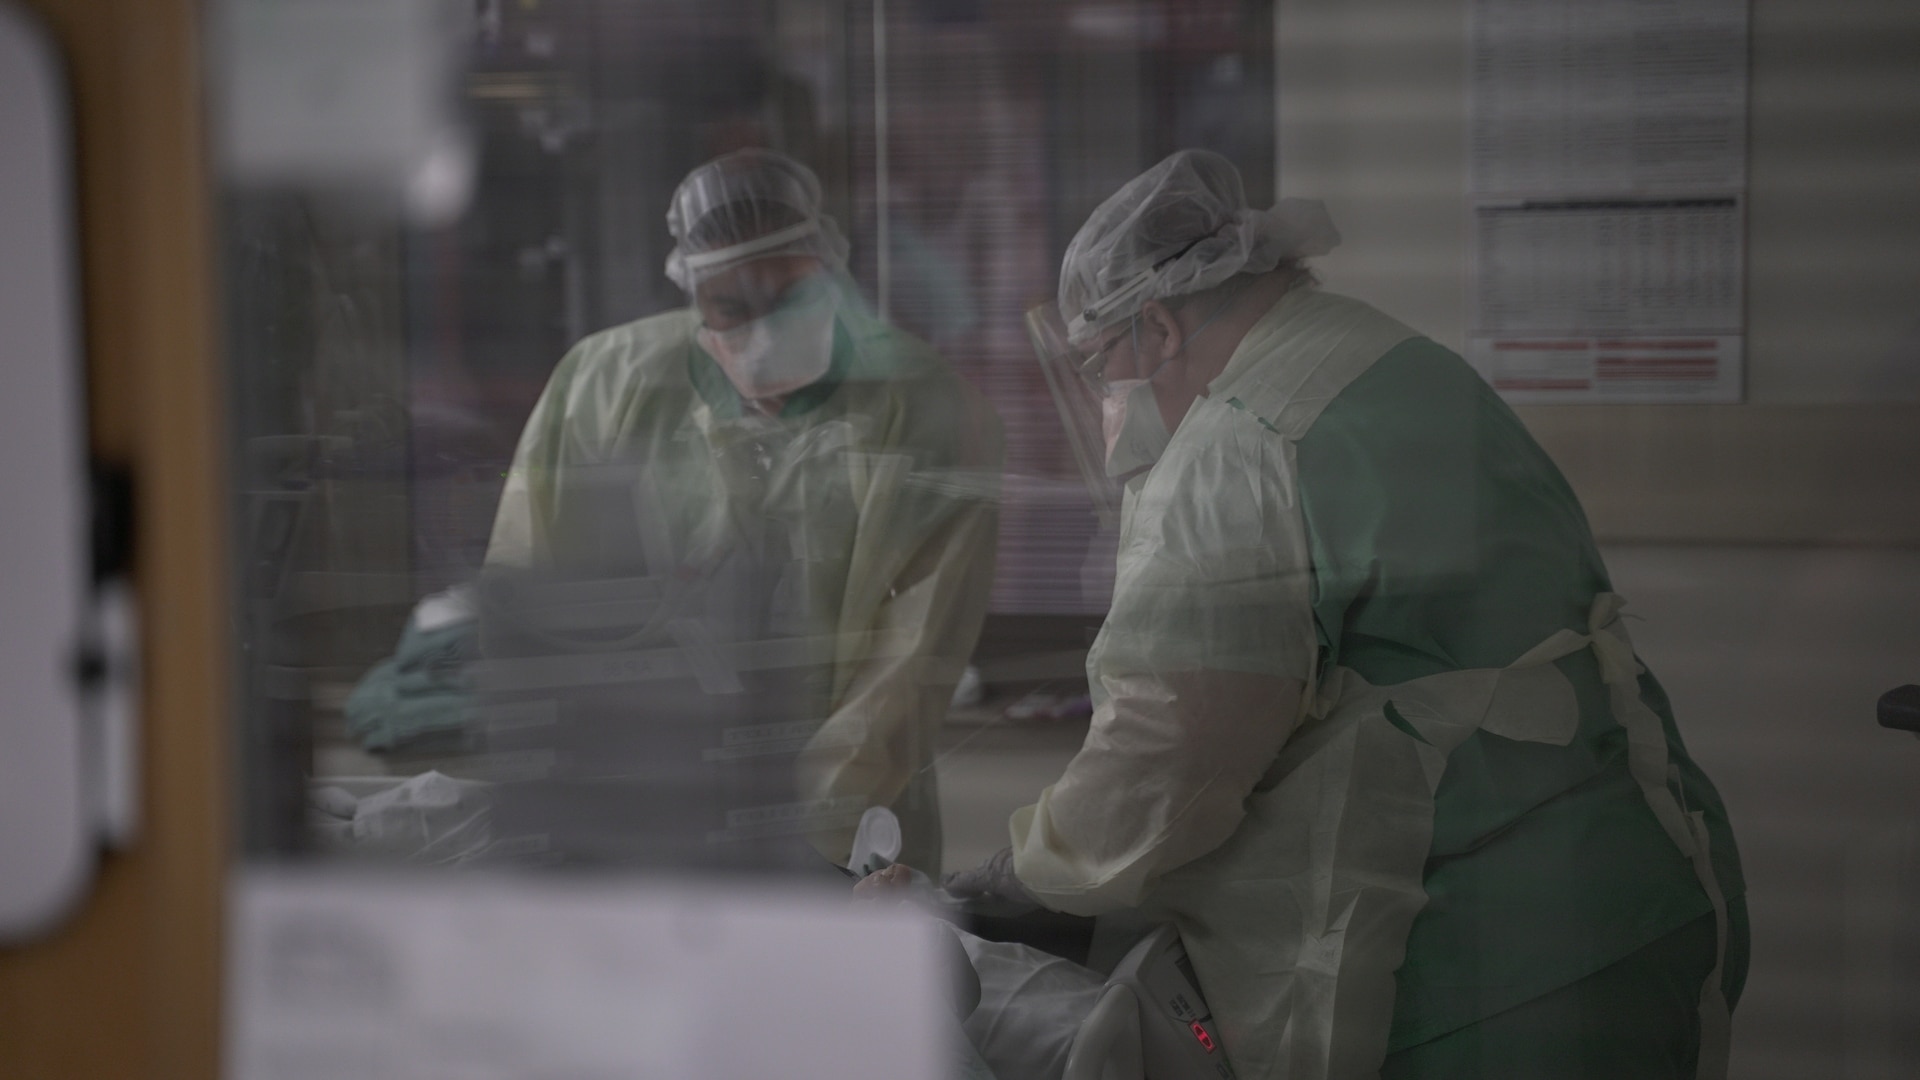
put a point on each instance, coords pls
(776, 415)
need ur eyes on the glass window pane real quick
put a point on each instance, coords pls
(687, 428)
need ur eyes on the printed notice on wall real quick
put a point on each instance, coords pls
(1608, 166)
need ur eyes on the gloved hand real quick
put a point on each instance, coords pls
(991, 884)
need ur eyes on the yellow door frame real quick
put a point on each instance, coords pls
(130, 985)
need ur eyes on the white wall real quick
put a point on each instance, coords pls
(1833, 298)
(1373, 118)
(1774, 658)
(1372, 113)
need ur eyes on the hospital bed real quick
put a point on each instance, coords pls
(1149, 1021)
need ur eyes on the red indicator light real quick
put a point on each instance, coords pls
(1200, 1033)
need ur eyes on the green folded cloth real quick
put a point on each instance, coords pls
(422, 691)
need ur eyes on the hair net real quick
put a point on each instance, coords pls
(1180, 227)
(750, 204)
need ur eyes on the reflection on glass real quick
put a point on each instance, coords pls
(692, 210)
(696, 503)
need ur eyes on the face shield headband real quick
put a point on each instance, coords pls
(779, 238)
(1098, 315)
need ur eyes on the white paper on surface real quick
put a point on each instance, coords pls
(1608, 184)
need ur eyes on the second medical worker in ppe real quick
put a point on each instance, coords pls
(778, 415)
(1369, 728)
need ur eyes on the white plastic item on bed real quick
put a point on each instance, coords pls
(876, 843)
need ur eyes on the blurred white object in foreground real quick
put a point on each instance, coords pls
(345, 974)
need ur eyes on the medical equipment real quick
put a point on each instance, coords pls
(1152, 1021)
(876, 842)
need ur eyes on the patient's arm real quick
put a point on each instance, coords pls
(885, 880)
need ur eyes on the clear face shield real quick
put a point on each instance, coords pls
(1079, 403)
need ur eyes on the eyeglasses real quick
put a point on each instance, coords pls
(1094, 367)
(746, 300)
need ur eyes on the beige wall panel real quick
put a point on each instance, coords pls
(1373, 118)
